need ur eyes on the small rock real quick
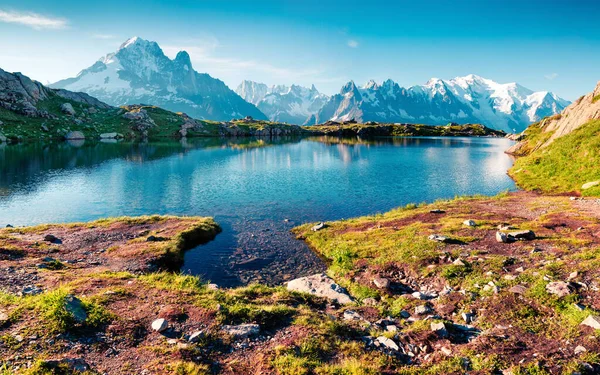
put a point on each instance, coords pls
(558, 288)
(74, 307)
(527, 235)
(510, 277)
(171, 341)
(242, 330)
(439, 328)
(404, 314)
(391, 328)
(518, 289)
(196, 336)
(520, 270)
(468, 317)
(579, 306)
(388, 343)
(580, 349)
(160, 325)
(437, 211)
(352, 315)
(68, 109)
(573, 275)
(469, 223)
(318, 227)
(381, 282)
(446, 351)
(369, 301)
(423, 309)
(459, 262)
(74, 135)
(437, 238)
(212, 287)
(591, 321)
(502, 237)
(3, 317)
(51, 238)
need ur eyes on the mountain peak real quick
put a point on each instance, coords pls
(129, 42)
(183, 58)
(371, 85)
(348, 87)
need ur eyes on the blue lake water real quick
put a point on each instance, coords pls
(256, 189)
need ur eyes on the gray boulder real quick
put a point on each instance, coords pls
(68, 109)
(320, 285)
(75, 308)
(242, 330)
(591, 321)
(558, 288)
(74, 135)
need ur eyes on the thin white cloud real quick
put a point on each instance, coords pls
(352, 43)
(204, 60)
(551, 76)
(104, 36)
(33, 20)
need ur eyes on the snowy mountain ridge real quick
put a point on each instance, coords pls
(469, 99)
(293, 104)
(139, 72)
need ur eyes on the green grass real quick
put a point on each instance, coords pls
(563, 166)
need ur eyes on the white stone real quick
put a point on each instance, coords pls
(320, 285)
(159, 325)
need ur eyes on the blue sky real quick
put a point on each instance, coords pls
(544, 45)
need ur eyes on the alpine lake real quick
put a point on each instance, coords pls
(256, 189)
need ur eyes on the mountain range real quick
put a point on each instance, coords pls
(139, 72)
(470, 99)
(292, 104)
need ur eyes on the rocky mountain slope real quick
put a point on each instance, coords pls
(293, 104)
(561, 153)
(139, 72)
(471, 99)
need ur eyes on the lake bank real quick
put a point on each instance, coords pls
(419, 305)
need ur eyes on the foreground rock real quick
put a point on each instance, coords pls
(320, 285)
(160, 325)
(242, 330)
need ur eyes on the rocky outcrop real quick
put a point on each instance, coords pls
(20, 94)
(575, 115)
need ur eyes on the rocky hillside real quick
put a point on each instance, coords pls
(293, 104)
(139, 72)
(562, 153)
(32, 111)
(541, 134)
(471, 99)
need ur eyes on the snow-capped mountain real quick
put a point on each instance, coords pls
(139, 72)
(293, 104)
(470, 99)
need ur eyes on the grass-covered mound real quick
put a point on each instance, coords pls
(564, 165)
